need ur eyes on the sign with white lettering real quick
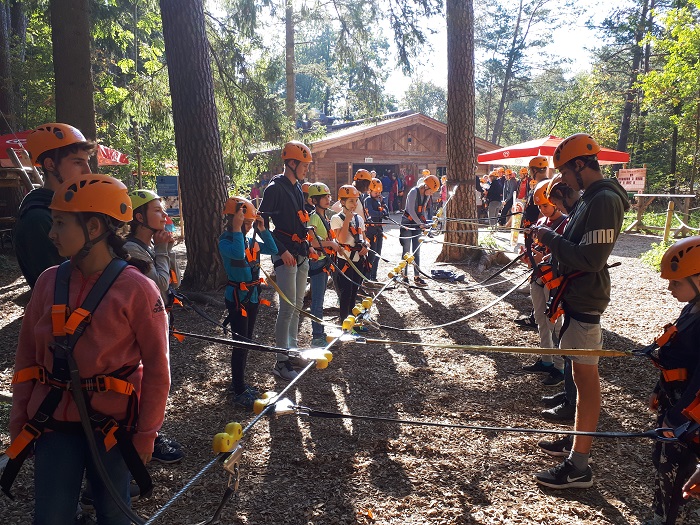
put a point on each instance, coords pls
(632, 179)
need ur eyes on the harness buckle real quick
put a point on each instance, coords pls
(28, 434)
(108, 431)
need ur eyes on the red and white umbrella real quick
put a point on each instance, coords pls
(105, 156)
(521, 154)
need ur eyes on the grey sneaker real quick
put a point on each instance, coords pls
(284, 370)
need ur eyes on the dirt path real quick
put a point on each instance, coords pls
(318, 471)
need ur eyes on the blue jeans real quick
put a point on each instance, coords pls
(318, 293)
(292, 282)
(59, 463)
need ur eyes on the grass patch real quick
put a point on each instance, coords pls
(652, 258)
(488, 241)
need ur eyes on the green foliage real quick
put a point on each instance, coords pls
(488, 241)
(652, 258)
(427, 98)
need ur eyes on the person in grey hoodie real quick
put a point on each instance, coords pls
(581, 253)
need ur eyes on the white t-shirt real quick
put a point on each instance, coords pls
(337, 224)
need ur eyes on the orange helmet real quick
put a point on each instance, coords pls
(305, 187)
(578, 145)
(509, 172)
(94, 193)
(539, 162)
(424, 173)
(540, 196)
(231, 207)
(295, 150)
(348, 191)
(533, 183)
(682, 259)
(432, 182)
(50, 136)
(443, 179)
(501, 170)
(375, 185)
(523, 171)
(362, 175)
(552, 183)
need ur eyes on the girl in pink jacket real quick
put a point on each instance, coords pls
(120, 347)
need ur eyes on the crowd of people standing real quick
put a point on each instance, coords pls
(94, 350)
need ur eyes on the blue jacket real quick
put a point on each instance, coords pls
(232, 246)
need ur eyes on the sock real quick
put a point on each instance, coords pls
(579, 460)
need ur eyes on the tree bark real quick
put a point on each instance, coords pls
(514, 48)
(197, 140)
(70, 36)
(6, 90)
(632, 92)
(461, 154)
(290, 103)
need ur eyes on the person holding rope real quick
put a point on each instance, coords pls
(283, 201)
(414, 221)
(580, 255)
(91, 369)
(63, 153)
(320, 197)
(376, 212)
(676, 397)
(348, 228)
(241, 257)
(539, 293)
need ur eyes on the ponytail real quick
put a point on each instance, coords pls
(116, 242)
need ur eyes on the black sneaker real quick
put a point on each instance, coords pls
(167, 440)
(558, 448)
(418, 281)
(538, 366)
(526, 322)
(556, 399)
(555, 378)
(245, 399)
(163, 452)
(565, 476)
(560, 413)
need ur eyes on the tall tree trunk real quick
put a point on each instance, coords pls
(7, 105)
(461, 156)
(640, 156)
(501, 114)
(631, 93)
(70, 36)
(197, 139)
(673, 176)
(290, 103)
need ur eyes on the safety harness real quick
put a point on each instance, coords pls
(172, 295)
(302, 216)
(420, 207)
(252, 261)
(68, 327)
(356, 233)
(330, 253)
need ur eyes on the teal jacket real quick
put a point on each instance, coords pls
(587, 242)
(232, 246)
(34, 250)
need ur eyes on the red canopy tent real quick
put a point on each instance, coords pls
(521, 154)
(105, 156)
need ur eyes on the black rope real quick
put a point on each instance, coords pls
(656, 434)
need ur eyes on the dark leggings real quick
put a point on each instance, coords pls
(241, 325)
(346, 288)
(376, 240)
(674, 463)
(410, 242)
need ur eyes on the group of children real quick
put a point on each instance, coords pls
(93, 347)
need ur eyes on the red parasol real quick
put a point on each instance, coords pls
(521, 154)
(105, 156)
